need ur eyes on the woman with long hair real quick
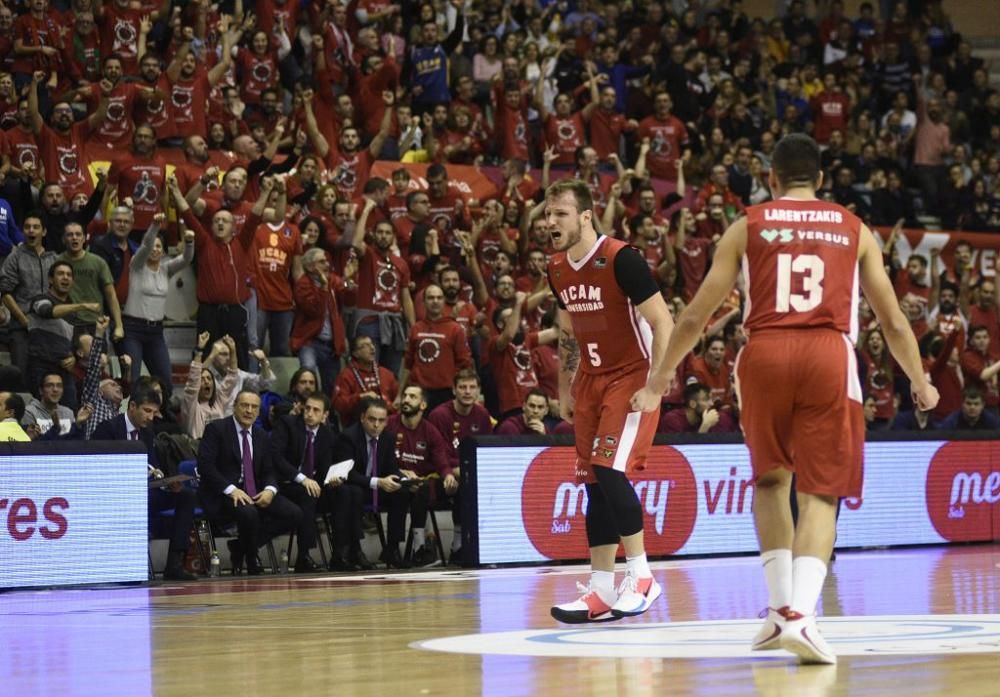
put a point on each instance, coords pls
(144, 310)
(879, 379)
(204, 399)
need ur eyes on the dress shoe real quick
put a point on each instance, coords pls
(254, 567)
(306, 565)
(392, 559)
(177, 573)
(235, 556)
(425, 556)
(359, 560)
(340, 562)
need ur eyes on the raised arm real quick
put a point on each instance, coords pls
(148, 240)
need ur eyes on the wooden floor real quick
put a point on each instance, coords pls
(358, 634)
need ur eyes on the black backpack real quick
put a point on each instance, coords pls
(173, 449)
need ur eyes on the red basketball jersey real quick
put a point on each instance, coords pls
(613, 336)
(801, 266)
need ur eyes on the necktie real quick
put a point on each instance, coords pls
(135, 434)
(373, 469)
(250, 484)
(309, 461)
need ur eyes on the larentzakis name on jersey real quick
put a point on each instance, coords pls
(785, 215)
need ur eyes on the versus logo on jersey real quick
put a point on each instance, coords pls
(553, 504)
(963, 492)
(785, 235)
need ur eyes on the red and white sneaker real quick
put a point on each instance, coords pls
(635, 596)
(589, 607)
(769, 636)
(801, 636)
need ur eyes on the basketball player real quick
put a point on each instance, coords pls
(611, 312)
(797, 378)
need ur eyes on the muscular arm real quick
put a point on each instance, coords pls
(895, 327)
(569, 361)
(714, 289)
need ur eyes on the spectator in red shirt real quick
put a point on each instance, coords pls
(257, 67)
(719, 185)
(710, 369)
(668, 138)
(362, 377)
(831, 109)
(37, 43)
(422, 454)
(384, 305)
(437, 348)
(318, 335)
(349, 164)
(511, 105)
(277, 255)
(140, 176)
(981, 365)
(224, 256)
(531, 420)
(62, 146)
(510, 356)
(984, 311)
(693, 253)
(190, 84)
(565, 130)
(606, 123)
(698, 415)
(462, 416)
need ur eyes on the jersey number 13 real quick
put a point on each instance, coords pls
(810, 269)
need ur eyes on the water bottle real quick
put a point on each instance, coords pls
(284, 562)
(214, 565)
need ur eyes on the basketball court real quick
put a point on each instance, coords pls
(909, 622)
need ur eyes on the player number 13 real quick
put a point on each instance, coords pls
(811, 269)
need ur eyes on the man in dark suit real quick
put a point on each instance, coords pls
(134, 425)
(376, 479)
(239, 482)
(302, 447)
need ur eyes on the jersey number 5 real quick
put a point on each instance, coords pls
(811, 269)
(595, 357)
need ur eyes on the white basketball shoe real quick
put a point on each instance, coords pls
(769, 635)
(635, 595)
(801, 636)
(589, 607)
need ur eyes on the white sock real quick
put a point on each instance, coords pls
(603, 582)
(777, 564)
(418, 538)
(456, 539)
(808, 574)
(638, 566)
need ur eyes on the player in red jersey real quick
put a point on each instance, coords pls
(611, 311)
(796, 378)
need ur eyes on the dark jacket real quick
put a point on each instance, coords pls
(115, 429)
(288, 448)
(352, 444)
(220, 463)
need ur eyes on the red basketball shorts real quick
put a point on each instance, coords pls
(801, 408)
(608, 433)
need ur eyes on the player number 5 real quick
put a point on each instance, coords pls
(595, 357)
(812, 270)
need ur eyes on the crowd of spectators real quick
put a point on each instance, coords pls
(143, 137)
